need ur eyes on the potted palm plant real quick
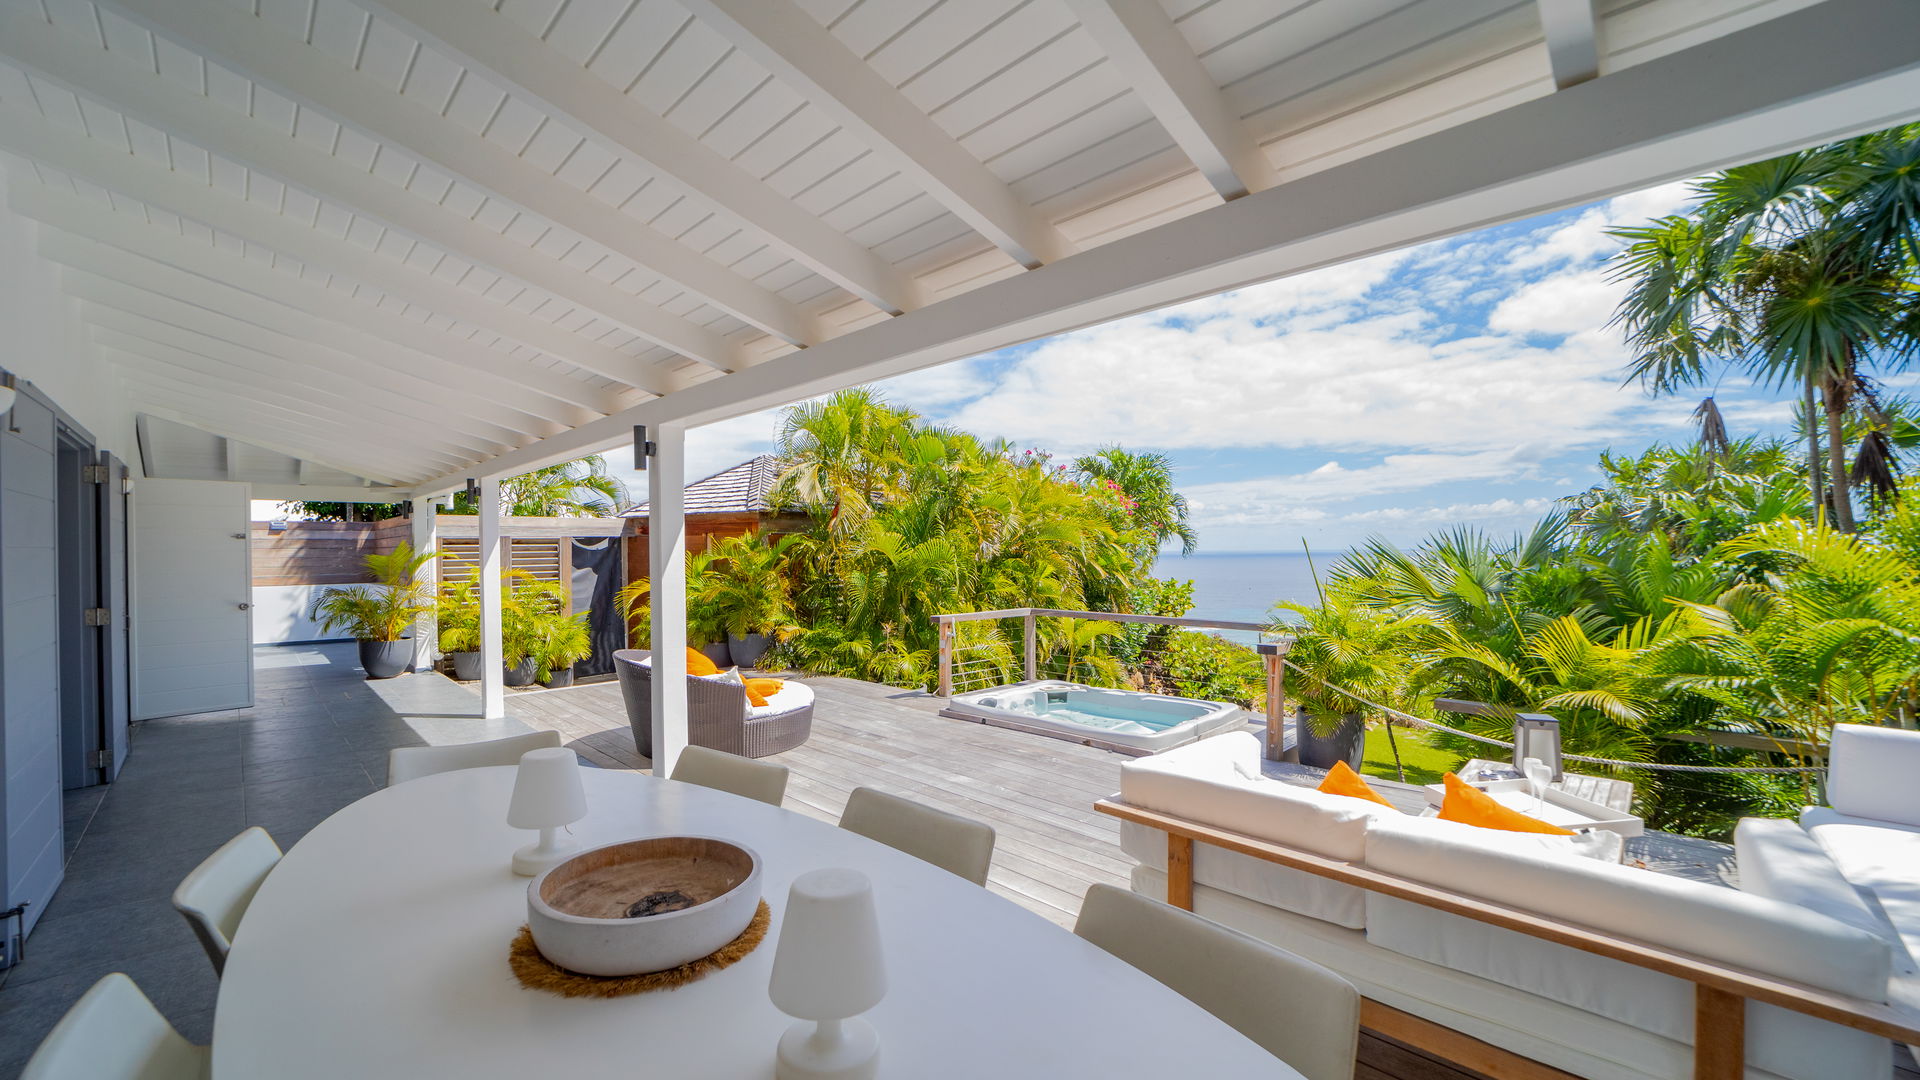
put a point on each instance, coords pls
(744, 594)
(704, 631)
(528, 604)
(460, 628)
(379, 615)
(1345, 655)
(564, 642)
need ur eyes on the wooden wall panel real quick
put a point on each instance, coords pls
(322, 552)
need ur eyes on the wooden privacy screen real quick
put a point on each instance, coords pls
(547, 558)
(321, 552)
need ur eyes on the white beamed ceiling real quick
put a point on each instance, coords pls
(503, 221)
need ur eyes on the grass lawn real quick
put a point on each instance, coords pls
(1423, 761)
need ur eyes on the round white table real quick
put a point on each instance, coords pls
(378, 948)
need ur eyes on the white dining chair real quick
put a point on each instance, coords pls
(413, 762)
(717, 769)
(216, 893)
(1300, 1012)
(948, 841)
(114, 1033)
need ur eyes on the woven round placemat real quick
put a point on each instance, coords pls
(536, 972)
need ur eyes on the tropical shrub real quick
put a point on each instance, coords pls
(385, 610)
(1211, 668)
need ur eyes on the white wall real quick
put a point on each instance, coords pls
(280, 615)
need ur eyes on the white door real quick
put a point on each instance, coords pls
(192, 590)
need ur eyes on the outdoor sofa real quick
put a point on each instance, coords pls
(1832, 915)
(718, 715)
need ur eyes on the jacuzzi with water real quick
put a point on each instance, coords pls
(1124, 720)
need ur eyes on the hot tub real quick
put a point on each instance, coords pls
(1121, 720)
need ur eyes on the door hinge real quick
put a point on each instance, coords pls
(93, 474)
(103, 759)
(97, 616)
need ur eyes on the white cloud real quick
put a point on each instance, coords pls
(1294, 498)
(1569, 303)
(1480, 512)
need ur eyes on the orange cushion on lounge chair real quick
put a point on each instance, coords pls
(699, 664)
(1468, 805)
(1342, 780)
(759, 690)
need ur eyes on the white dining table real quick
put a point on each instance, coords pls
(378, 948)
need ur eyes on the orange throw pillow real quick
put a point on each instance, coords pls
(1342, 780)
(699, 664)
(759, 690)
(1468, 805)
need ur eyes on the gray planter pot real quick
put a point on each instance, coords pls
(748, 650)
(560, 677)
(1346, 742)
(522, 673)
(385, 659)
(467, 666)
(719, 654)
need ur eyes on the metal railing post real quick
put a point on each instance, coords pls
(946, 655)
(1033, 646)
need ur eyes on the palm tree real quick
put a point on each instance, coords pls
(585, 487)
(1146, 481)
(1798, 271)
(842, 453)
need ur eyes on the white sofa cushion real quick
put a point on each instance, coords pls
(1871, 773)
(1884, 862)
(1706, 920)
(1243, 875)
(791, 695)
(1781, 860)
(1200, 781)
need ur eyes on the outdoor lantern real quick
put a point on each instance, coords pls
(828, 970)
(547, 795)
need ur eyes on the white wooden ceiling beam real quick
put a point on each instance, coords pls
(1154, 59)
(1840, 68)
(281, 491)
(1573, 40)
(493, 43)
(249, 45)
(215, 363)
(542, 392)
(368, 352)
(806, 56)
(300, 468)
(226, 456)
(68, 60)
(158, 186)
(284, 433)
(177, 299)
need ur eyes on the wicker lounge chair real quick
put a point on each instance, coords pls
(717, 713)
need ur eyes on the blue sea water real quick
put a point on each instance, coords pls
(1244, 586)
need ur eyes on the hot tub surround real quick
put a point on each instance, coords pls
(1123, 720)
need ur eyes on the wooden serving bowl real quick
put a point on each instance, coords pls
(643, 905)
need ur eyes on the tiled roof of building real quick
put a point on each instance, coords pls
(741, 489)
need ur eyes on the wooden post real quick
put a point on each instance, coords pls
(1275, 654)
(1719, 1034)
(946, 655)
(1033, 647)
(1180, 871)
(667, 562)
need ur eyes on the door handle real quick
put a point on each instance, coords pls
(244, 607)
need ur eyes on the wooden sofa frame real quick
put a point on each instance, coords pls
(1720, 990)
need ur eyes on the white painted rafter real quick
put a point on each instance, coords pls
(155, 185)
(493, 43)
(785, 40)
(328, 401)
(1573, 40)
(1154, 59)
(249, 45)
(302, 465)
(220, 413)
(179, 300)
(540, 391)
(69, 61)
(1844, 67)
(464, 383)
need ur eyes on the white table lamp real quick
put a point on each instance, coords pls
(828, 970)
(547, 794)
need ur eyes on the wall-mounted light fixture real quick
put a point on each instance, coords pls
(8, 391)
(642, 449)
(473, 491)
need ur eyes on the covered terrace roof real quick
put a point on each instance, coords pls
(413, 241)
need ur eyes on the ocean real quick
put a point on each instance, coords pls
(1244, 586)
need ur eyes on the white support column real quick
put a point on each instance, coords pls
(667, 564)
(493, 671)
(426, 537)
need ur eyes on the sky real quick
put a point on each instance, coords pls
(1472, 380)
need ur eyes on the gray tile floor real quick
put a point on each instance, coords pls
(315, 740)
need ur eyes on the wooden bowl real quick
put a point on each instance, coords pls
(643, 905)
